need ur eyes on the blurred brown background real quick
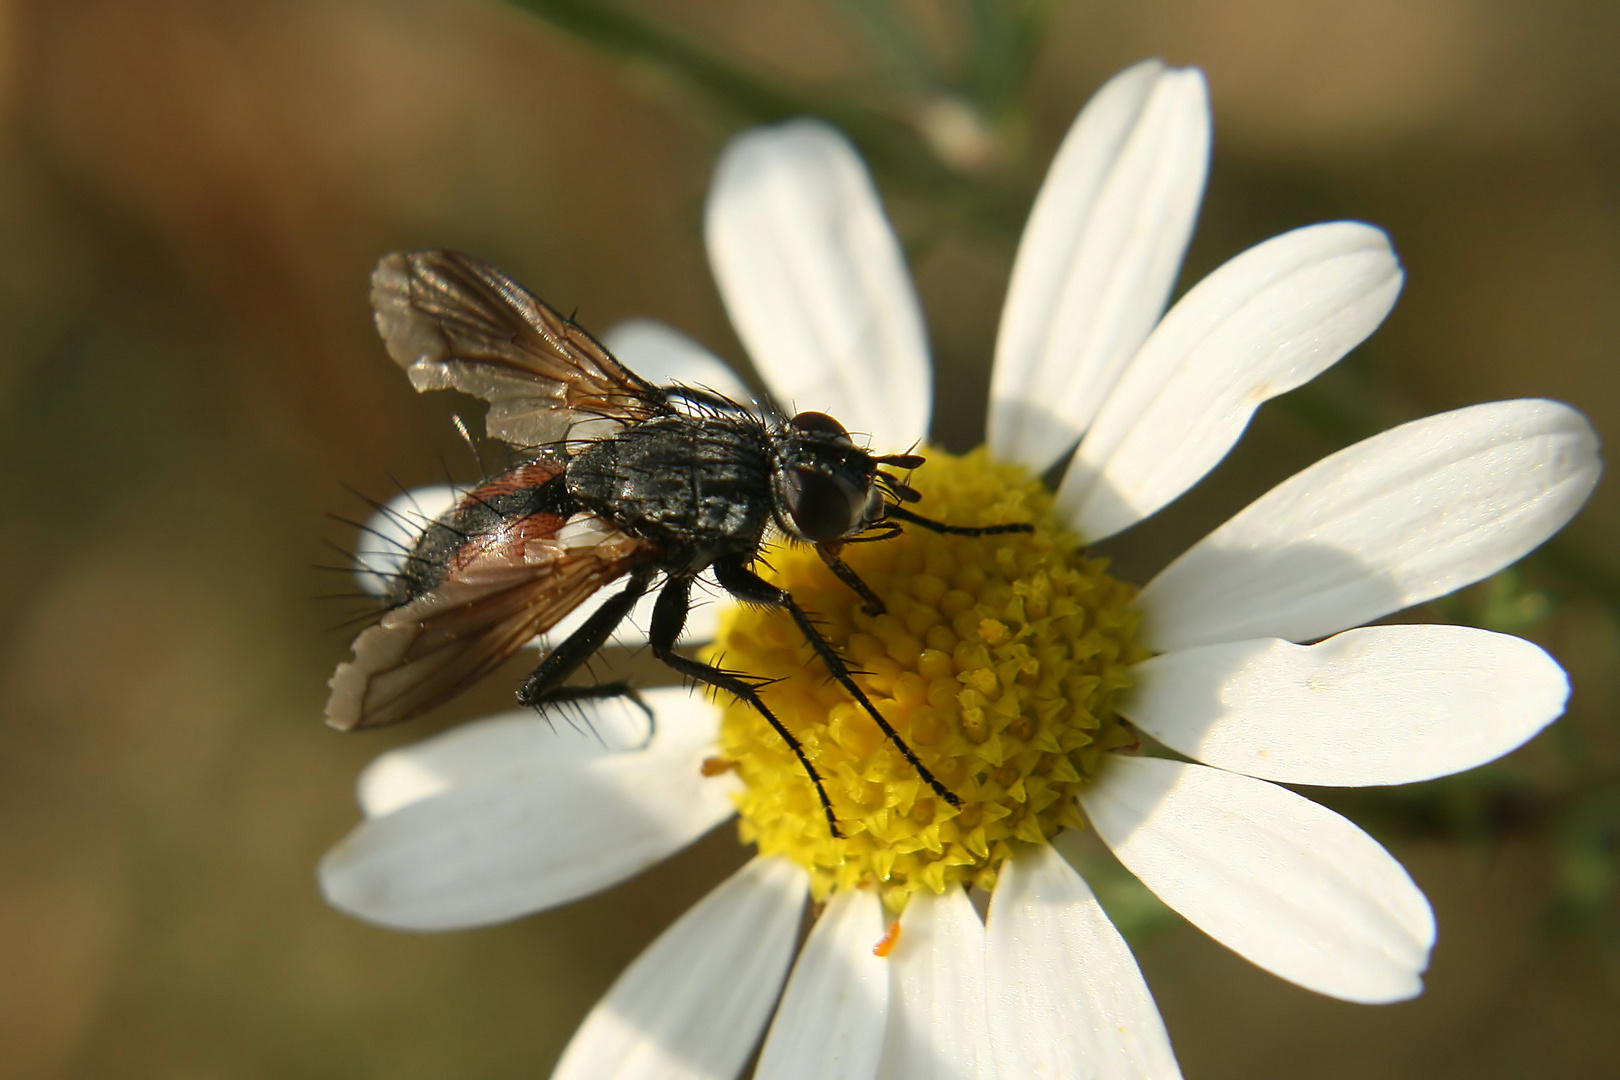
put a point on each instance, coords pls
(191, 196)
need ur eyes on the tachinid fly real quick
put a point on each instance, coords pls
(617, 478)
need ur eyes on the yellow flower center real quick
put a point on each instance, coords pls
(997, 661)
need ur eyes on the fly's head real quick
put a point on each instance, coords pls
(826, 490)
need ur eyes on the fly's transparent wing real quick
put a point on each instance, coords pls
(454, 322)
(500, 592)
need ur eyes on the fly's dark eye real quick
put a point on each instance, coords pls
(820, 422)
(823, 507)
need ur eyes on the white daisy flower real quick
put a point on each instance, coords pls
(1010, 664)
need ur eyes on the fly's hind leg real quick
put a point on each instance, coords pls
(546, 683)
(669, 618)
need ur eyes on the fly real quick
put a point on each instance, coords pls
(616, 479)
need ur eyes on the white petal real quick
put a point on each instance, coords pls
(393, 531)
(815, 281)
(1379, 705)
(692, 1005)
(1066, 996)
(938, 1029)
(510, 842)
(1269, 320)
(663, 355)
(1281, 881)
(1099, 255)
(511, 744)
(829, 1025)
(1392, 521)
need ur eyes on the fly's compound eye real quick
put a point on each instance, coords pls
(820, 423)
(824, 508)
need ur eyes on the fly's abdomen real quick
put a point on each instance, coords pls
(531, 497)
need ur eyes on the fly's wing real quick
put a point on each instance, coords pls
(500, 592)
(453, 322)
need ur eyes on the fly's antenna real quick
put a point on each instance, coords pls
(901, 491)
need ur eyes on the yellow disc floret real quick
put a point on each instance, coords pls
(997, 661)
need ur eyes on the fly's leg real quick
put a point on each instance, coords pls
(750, 588)
(841, 570)
(669, 617)
(545, 684)
(900, 513)
(888, 530)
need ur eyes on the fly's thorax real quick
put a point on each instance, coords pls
(997, 661)
(687, 483)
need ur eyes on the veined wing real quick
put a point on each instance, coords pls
(502, 590)
(454, 322)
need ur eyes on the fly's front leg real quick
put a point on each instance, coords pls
(747, 586)
(841, 570)
(669, 618)
(900, 513)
